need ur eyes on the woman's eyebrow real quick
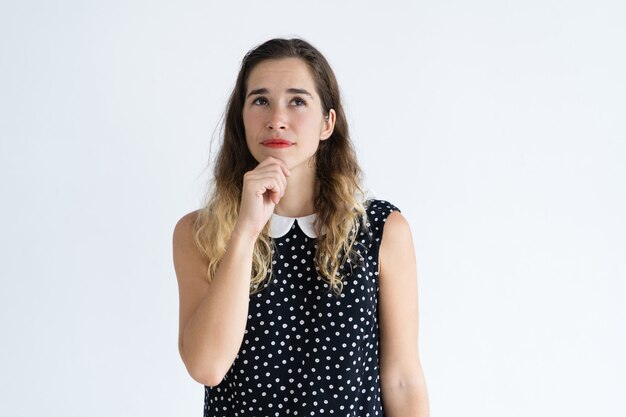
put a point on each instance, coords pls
(289, 90)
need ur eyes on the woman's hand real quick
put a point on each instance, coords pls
(263, 187)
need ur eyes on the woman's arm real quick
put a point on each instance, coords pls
(212, 318)
(403, 386)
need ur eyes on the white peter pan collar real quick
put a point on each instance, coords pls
(280, 225)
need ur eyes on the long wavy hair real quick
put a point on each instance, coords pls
(338, 196)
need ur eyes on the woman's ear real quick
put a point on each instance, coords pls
(329, 125)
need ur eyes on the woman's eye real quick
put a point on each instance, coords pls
(263, 101)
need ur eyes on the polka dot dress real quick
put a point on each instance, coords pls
(307, 352)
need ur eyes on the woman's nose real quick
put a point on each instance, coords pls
(277, 119)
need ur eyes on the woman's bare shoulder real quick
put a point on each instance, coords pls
(184, 230)
(188, 219)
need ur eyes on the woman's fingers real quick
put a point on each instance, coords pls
(263, 187)
(270, 177)
(272, 160)
(271, 184)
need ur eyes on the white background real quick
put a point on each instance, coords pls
(496, 127)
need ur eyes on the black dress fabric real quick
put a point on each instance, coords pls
(307, 352)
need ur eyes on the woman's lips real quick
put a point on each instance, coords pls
(272, 143)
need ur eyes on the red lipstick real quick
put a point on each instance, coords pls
(277, 143)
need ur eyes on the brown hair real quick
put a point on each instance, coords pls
(338, 196)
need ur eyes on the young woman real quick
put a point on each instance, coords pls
(291, 301)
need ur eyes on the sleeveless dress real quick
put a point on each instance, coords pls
(305, 351)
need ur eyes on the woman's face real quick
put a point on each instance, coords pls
(282, 103)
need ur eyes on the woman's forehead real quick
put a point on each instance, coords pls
(283, 73)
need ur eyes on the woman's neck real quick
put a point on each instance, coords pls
(298, 198)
